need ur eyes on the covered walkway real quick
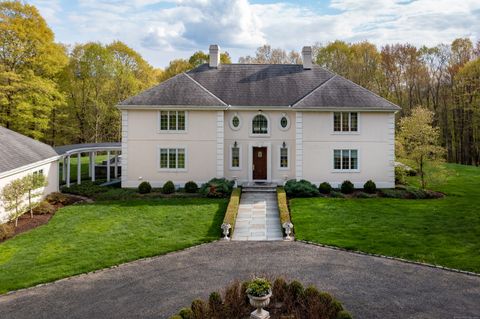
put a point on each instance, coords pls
(66, 152)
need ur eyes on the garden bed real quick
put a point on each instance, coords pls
(40, 216)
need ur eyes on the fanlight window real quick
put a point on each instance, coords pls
(260, 124)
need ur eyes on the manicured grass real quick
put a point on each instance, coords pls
(440, 231)
(84, 162)
(82, 238)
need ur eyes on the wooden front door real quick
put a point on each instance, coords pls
(259, 163)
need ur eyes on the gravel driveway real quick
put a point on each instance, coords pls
(369, 287)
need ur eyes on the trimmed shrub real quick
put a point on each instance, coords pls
(325, 188)
(370, 187)
(302, 188)
(6, 231)
(232, 208)
(168, 188)
(393, 193)
(279, 289)
(176, 317)
(144, 187)
(217, 188)
(44, 208)
(191, 187)
(347, 187)
(283, 206)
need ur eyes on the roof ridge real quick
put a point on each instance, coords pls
(370, 91)
(205, 89)
(315, 89)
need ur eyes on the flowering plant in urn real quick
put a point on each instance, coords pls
(259, 292)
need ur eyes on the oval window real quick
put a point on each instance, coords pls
(235, 121)
(284, 122)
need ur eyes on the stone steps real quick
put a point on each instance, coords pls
(258, 189)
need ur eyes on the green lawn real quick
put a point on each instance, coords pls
(440, 231)
(84, 162)
(82, 238)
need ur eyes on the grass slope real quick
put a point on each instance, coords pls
(82, 238)
(443, 231)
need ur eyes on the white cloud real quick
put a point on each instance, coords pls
(162, 29)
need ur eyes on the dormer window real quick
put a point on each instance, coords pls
(260, 124)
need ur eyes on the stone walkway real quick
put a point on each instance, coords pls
(258, 217)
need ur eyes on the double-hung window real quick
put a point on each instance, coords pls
(172, 158)
(172, 121)
(235, 157)
(345, 160)
(283, 157)
(345, 122)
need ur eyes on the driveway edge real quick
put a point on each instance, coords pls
(418, 263)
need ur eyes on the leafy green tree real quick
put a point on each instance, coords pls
(420, 140)
(30, 62)
(33, 183)
(13, 198)
(96, 79)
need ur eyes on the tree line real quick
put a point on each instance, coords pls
(445, 79)
(67, 94)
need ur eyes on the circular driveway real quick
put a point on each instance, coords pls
(369, 287)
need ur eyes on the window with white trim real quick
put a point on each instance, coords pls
(172, 158)
(283, 157)
(235, 160)
(345, 122)
(172, 120)
(345, 160)
(260, 124)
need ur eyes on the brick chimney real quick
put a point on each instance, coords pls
(307, 57)
(214, 52)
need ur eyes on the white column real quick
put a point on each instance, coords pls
(116, 164)
(93, 166)
(89, 164)
(108, 166)
(79, 168)
(68, 171)
(64, 169)
(124, 152)
(298, 145)
(220, 144)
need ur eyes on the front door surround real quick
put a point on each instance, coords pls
(259, 166)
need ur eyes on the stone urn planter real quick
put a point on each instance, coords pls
(259, 303)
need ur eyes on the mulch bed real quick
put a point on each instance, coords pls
(26, 223)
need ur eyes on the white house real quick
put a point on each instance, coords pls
(258, 123)
(21, 155)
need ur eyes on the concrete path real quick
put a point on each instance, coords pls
(369, 287)
(258, 217)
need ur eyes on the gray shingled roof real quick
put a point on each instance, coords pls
(179, 90)
(279, 85)
(18, 150)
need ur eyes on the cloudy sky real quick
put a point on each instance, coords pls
(165, 29)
